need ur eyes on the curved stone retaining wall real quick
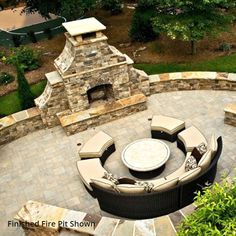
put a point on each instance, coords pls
(20, 124)
(192, 81)
(24, 122)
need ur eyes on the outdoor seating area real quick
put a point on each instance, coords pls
(152, 197)
(44, 158)
(113, 128)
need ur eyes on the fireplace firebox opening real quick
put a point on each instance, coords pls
(100, 94)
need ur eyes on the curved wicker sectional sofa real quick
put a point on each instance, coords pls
(129, 198)
(148, 205)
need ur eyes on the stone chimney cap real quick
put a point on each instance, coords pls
(84, 26)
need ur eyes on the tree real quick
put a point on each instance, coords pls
(192, 20)
(141, 26)
(70, 9)
(25, 95)
(114, 6)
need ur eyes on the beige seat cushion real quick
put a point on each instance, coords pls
(191, 137)
(156, 181)
(130, 188)
(167, 124)
(104, 183)
(213, 145)
(90, 169)
(189, 175)
(205, 160)
(181, 170)
(165, 184)
(96, 145)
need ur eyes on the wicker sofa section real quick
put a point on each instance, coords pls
(165, 127)
(153, 204)
(190, 138)
(101, 146)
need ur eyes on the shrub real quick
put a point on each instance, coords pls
(141, 26)
(26, 97)
(2, 54)
(114, 6)
(25, 56)
(16, 40)
(225, 47)
(6, 78)
(215, 213)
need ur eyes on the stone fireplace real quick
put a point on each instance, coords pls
(90, 73)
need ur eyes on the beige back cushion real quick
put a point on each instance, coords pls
(213, 144)
(165, 185)
(205, 160)
(104, 183)
(130, 188)
(189, 175)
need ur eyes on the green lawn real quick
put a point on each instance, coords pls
(10, 103)
(221, 64)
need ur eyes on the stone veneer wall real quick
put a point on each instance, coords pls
(20, 124)
(92, 62)
(230, 114)
(53, 100)
(33, 212)
(192, 81)
(77, 122)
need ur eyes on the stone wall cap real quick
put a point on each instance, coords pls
(154, 78)
(129, 60)
(53, 77)
(79, 27)
(199, 75)
(6, 121)
(21, 115)
(232, 76)
(67, 120)
(231, 108)
(34, 211)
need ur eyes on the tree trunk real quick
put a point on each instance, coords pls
(193, 47)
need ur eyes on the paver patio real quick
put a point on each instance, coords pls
(42, 166)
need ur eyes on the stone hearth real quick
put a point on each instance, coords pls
(90, 73)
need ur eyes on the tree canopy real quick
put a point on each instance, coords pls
(70, 9)
(192, 20)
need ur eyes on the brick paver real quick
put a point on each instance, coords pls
(42, 165)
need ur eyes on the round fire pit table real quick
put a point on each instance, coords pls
(146, 158)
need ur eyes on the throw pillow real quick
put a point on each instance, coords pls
(196, 154)
(105, 183)
(189, 175)
(202, 148)
(129, 188)
(110, 177)
(165, 185)
(146, 185)
(191, 163)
